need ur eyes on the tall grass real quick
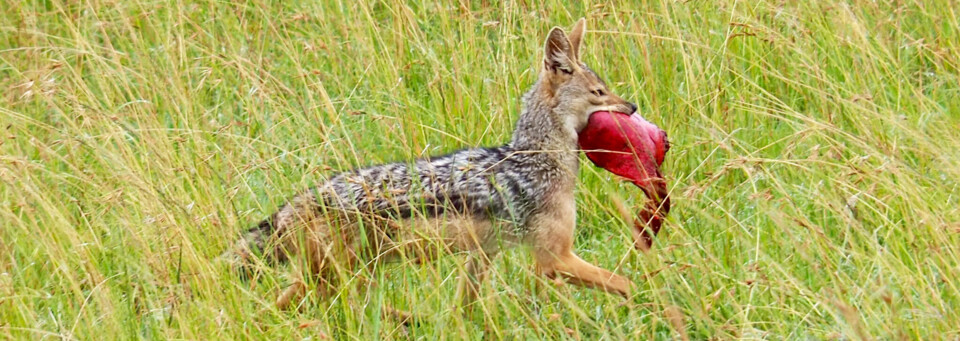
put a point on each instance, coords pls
(814, 166)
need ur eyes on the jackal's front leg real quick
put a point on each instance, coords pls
(553, 248)
(581, 273)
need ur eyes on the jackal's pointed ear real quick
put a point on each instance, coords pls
(576, 37)
(557, 53)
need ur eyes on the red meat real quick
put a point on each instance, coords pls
(633, 148)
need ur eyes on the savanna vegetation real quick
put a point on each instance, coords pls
(814, 164)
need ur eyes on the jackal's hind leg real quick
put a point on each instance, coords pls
(475, 271)
(331, 258)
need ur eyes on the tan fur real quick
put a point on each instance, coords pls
(553, 249)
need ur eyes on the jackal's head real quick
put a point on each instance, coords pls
(569, 86)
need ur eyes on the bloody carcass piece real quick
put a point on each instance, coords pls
(633, 148)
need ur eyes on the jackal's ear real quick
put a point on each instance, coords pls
(557, 53)
(576, 37)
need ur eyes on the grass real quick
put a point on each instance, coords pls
(814, 167)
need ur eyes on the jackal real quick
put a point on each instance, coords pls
(473, 200)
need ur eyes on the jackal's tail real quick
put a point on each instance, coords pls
(255, 239)
(255, 246)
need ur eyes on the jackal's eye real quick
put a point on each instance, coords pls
(597, 92)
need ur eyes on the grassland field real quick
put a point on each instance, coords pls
(814, 164)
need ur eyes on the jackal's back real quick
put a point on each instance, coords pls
(485, 183)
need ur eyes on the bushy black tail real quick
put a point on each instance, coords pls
(255, 246)
(255, 239)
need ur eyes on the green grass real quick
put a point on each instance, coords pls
(814, 167)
